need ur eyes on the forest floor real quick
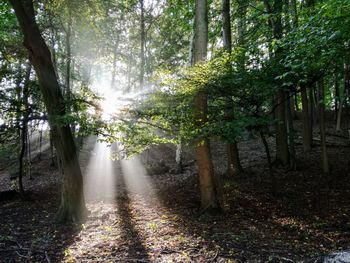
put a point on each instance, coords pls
(155, 217)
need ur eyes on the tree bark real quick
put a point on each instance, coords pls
(307, 133)
(72, 206)
(209, 200)
(291, 133)
(321, 111)
(336, 95)
(143, 36)
(226, 25)
(269, 162)
(233, 163)
(275, 21)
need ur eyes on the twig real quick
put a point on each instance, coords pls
(47, 257)
(22, 256)
(215, 256)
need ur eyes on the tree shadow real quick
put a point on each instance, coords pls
(136, 250)
(256, 225)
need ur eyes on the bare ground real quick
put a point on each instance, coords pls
(160, 221)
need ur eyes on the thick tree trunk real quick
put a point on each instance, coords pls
(282, 151)
(233, 163)
(72, 206)
(209, 200)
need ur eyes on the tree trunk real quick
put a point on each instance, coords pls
(209, 200)
(226, 25)
(233, 163)
(68, 56)
(179, 157)
(72, 206)
(275, 22)
(114, 68)
(346, 93)
(143, 36)
(321, 110)
(269, 162)
(307, 133)
(291, 133)
(311, 111)
(282, 151)
(340, 111)
(294, 11)
(336, 96)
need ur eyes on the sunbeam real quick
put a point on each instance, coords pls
(135, 175)
(99, 174)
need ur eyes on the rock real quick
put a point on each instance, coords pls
(336, 257)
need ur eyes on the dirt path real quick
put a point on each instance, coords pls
(154, 218)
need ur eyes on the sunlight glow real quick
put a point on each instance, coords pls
(99, 174)
(135, 175)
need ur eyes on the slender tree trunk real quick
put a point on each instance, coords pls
(275, 22)
(40, 143)
(336, 96)
(346, 93)
(20, 132)
(294, 11)
(52, 150)
(342, 103)
(114, 68)
(72, 206)
(209, 200)
(340, 111)
(296, 103)
(179, 157)
(311, 110)
(307, 131)
(233, 163)
(269, 162)
(321, 109)
(226, 25)
(29, 155)
(143, 36)
(23, 99)
(291, 133)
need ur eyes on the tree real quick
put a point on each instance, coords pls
(72, 207)
(142, 43)
(233, 162)
(282, 151)
(209, 200)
